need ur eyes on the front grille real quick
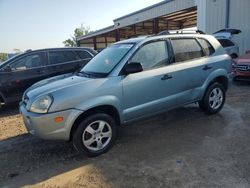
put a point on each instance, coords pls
(243, 68)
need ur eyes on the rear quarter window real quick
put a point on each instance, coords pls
(84, 54)
(207, 47)
(226, 43)
(186, 49)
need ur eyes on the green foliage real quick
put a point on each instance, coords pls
(77, 33)
(3, 57)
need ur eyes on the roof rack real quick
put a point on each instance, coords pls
(169, 32)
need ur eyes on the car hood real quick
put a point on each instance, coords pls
(54, 84)
(244, 59)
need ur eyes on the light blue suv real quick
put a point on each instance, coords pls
(127, 81)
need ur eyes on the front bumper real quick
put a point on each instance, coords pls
(44, 125)
(238, 75)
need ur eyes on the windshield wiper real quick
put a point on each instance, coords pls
(84, 74)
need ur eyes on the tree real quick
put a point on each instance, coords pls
(77, 33)
(3, 57)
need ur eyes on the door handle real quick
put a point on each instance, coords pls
(166, 77)
(207, 67)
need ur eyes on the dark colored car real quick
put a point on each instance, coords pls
(23, 70)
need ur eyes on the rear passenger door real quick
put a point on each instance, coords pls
(62, 61)
(193, 65)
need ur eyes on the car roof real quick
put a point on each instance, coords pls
(60, 48)
(132, 40)
(47, 49)
(155, 37)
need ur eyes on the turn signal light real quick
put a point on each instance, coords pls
(58, 119)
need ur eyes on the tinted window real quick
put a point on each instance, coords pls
(186, 49)
(84, 54)
(225, 42)
(209, 50)
(29, 61)
(152, 55)
(57, 57)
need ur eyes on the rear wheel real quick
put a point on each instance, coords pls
(95, 135)
(213, 99)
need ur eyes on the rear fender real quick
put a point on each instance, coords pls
(211, 78)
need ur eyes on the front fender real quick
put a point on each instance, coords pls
(100, 101)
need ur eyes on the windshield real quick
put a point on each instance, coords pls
(7, 60)
(104, 62)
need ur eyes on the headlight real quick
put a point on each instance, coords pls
(42, 104)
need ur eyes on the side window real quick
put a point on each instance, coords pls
(225, 43)
(30, 61)
(152, 55)
(186, 49)
(57, 57)
(84, 54)
(208, 48)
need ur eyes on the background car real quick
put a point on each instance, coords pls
(225, 36)
(241, 67)
(22, 71)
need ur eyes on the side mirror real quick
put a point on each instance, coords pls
(133, 67)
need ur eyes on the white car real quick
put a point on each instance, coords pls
(225, 36)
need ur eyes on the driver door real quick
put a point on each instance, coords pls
(25, 72)
(153, 89)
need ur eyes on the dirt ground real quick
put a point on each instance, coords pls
(181, 148)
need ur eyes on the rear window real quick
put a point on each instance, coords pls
(226, 43)
(208, 48)
(84, 54)
(58, 57)
(186, 49)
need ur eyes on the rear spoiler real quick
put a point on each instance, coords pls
(231, 31)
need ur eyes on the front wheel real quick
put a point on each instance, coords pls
(95, 135)
(213, 99)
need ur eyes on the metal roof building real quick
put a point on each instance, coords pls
(207, 15)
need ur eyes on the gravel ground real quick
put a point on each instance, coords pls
(181, 148)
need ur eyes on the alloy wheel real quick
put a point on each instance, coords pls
(216, 98)
(97, 135)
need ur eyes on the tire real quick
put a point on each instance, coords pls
(95, 135)
(214, 99)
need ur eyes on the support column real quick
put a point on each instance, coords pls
(117, 35)
(180, 25)
(156, 26)
(94, 41)
(106, 43)
(201, 15)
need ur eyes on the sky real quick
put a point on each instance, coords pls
(35, 24)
